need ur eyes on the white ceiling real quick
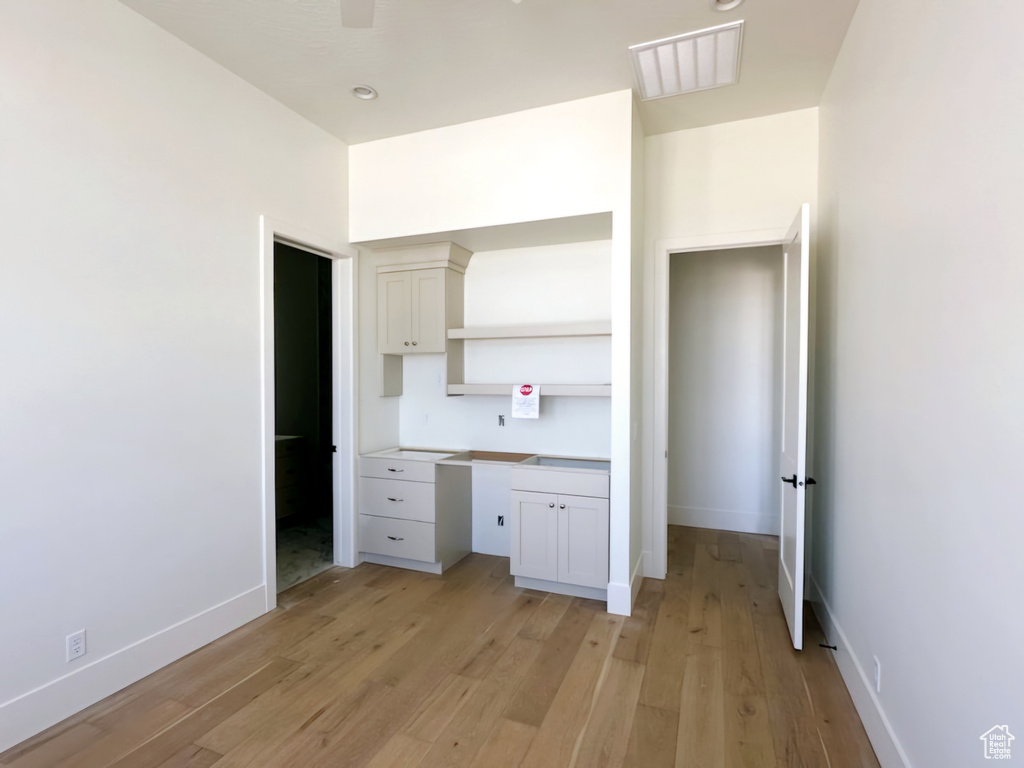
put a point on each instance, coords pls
(442, 62)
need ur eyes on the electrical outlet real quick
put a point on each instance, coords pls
(76, 645)
(501, 519)
(878, 675)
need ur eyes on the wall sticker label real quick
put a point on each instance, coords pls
(525, 401)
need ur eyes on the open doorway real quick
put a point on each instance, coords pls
(725, 344)
(303, 414)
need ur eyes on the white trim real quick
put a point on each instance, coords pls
(724, 520)
(657, 515)
(343, 326)
(36, 710)
(401, 562)
(622, 597)
(636, 581)
(560, 588)
(880, 732)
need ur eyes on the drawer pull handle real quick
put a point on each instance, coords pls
(390, 469)
(396, 538)
(392, 498)
(552, 505)
(561, 506)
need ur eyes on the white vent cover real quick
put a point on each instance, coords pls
(696, 61)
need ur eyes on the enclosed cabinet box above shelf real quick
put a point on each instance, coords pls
(419, 297)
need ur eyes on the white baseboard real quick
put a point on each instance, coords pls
(636, 580)
(400, 562)
(883, 739)
(35, 711)
(724, 520)
(621, 597)
(648, 561)
(573, 590)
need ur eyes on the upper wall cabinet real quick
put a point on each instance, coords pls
(419, 297)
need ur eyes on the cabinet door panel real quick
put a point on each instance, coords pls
(534, 535)
(583, 541)
(428, 310)
(394, 313)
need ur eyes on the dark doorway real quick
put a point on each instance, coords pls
(303, 407)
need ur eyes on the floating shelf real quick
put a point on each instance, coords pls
(546, 390)
(544, 330)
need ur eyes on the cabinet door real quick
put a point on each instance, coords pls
(429, 331)
(534, 535)
(394, 313)
(583, 541)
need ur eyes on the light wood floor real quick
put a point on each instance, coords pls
(381, 667)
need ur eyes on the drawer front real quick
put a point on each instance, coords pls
(289, 500)
(556, 481)
(397, 469)
(287, 470)
(286, 447)
(396, 498)
(398, 538)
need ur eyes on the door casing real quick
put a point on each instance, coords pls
(343, 316)
(655, 557)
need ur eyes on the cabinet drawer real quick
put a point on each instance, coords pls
(288, 469)
(384, 497)
(284, 447)
(288, 501)
(398, 538)
(397, 469)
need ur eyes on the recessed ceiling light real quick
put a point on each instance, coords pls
(364, 92)
(725, 5)
(695, 61)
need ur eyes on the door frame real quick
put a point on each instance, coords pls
(343, 318)
(656, 519)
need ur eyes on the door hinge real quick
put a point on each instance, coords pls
(334, 449)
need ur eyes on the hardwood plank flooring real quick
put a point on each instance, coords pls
(380, 667)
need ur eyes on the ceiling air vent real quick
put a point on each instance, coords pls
(696, 61)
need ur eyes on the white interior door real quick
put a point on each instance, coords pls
(794, 424)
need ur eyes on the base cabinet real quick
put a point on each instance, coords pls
(414, 513)
(560, 538)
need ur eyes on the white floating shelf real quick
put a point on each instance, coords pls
(546, 390)
(543, 330)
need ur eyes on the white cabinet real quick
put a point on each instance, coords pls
(413, 512)
(534, 535)
(412, 310)
(419, 297)
(394, 312)
(583, 541)
(560, 538)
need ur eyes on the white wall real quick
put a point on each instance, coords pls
(920, 425)
(732, 177)
(725, 375)
(546, 163)
(571, 159)
(749, 176)
(134, 175)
